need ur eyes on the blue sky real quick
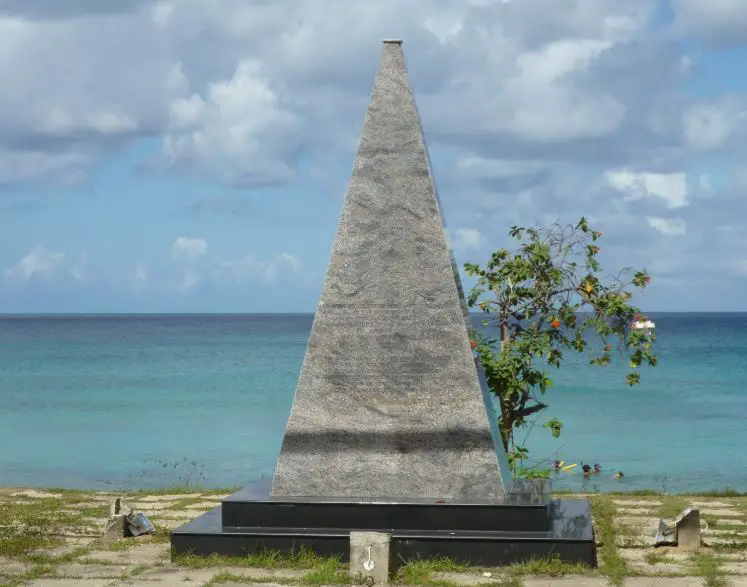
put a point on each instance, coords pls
(192, 156)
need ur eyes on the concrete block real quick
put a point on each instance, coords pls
(688, 529)
(371, 556)
(116, 528)
(115, 506)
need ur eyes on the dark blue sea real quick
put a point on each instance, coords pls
(147, 401)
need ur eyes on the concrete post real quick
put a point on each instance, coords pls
(688, 529)
(371, 556)
(116, 526)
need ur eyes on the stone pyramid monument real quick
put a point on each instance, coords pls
(390, 403)
(392, 433)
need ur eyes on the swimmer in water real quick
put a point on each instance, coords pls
(619, 475)
(587, 470)
(556, 465)
(597, 468)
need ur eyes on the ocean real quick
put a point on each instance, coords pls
(126, 401)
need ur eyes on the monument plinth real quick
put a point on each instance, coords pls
(392, 427)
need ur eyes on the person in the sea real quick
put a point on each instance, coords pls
(587, 470)
(556, 465)
(619, 475)
(597, 468)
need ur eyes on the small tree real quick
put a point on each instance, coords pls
(545, 299)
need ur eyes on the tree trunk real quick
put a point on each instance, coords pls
(507, 423)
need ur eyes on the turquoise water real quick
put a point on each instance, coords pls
(145, 401)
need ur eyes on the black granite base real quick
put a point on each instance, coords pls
(475, 533)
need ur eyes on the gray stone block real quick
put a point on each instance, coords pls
(370, 556)
(116, 528)
(688, 529)
(390, 402)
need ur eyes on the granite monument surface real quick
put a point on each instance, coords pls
(389, 403)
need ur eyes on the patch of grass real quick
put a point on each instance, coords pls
(100, 511)
(134, 572)
(182, 504)
(161, 535)
(35, 572)
(552, 566)
(47, 559)
(221, 491)
(612, 564)
(641, 493)
(654, 558)
(18, 544)
(420, 571)
(25, 527)
(727, 492)
(507, 581)
(708, 567)
(671, 507)
(117, 545)
(98, 562)
(729, 547)
(268, 559)
(625, 530)
(329, 572)
(176, 490)
(64, 491)
(221, 578)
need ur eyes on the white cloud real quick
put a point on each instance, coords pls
(18, 166)
(740, 267)
(189, 281)
(480, 167)
(293, 262)
(668, 187)
(466, 238)
(188, 248)
(707, 126)
(141, 272)
(43, 263)
(667, 227)
(231, 133)
(721, 22)
(249, 268)
(548, 108)
(139, 279)
(240, 89)
(200, 268)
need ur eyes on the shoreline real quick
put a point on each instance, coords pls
(180, 489)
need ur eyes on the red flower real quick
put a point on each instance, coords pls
(555, 323)
(473, 344)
